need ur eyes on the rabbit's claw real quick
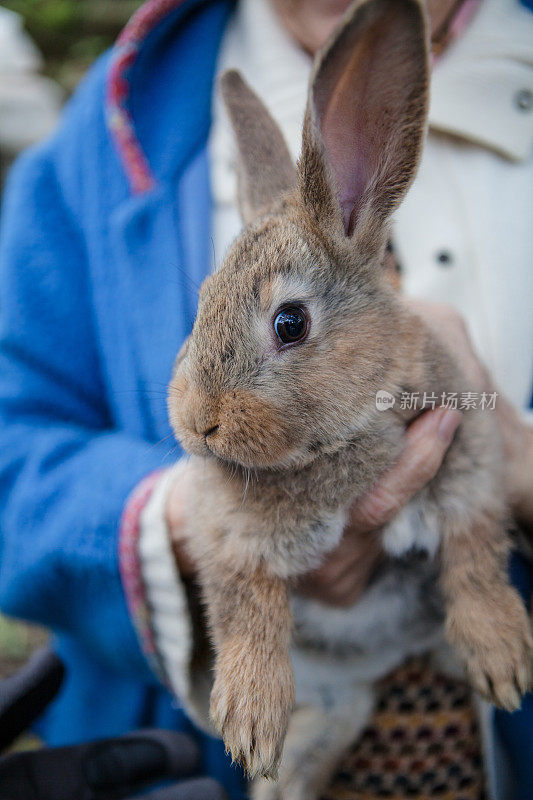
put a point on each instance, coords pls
(251, 710)
(494, 637)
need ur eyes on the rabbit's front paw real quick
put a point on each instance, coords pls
(493, 635)
(250, 705)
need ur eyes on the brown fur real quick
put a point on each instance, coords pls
(284, 440)
(484, 613)
(261, 145)
(251, 698)
(324, 743)
(362, 51)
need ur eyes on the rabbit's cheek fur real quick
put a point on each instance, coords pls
(252, 431)
(235, 426)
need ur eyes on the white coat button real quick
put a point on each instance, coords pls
(444, 258)
(524, 100)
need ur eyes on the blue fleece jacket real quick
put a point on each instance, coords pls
(97, 293)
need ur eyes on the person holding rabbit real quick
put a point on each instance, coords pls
(106, 235)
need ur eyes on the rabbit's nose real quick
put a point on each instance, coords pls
(205, 417)
(209, 431)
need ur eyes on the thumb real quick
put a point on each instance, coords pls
(426, 441)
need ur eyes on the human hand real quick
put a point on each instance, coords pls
(517, 437)
(342, 578)
(346, 571)
(175, 517)
(344, 575)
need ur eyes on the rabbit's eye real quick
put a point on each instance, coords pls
(291, 324)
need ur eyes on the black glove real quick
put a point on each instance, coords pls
(109, 768)
(25, 695)
(103, 770)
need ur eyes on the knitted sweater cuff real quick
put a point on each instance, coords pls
(155, 594)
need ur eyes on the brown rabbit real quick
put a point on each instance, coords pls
(274, 397)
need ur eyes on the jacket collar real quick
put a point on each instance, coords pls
(482, 86)
(151, 70)
(159, 112)
(479, 99)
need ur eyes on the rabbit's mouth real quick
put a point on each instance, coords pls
(238, 426)
(237, 444)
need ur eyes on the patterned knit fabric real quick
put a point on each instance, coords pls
(130, 569)
(423, 742)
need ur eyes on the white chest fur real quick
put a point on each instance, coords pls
(337, 650)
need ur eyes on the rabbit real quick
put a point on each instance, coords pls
(273, 396)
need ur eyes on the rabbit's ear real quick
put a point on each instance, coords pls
(366, 116)
(265, 168)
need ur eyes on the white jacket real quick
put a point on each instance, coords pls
(464, 234)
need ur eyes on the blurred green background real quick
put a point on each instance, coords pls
(72, 33)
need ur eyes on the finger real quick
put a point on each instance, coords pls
(196, 789)
(360, 553)
(353, 562)
(356, 548)
(331, 569)
(426, 442)
(348, 590)
(350, 583)
(184, 562)
(345, 574)
(345, 592)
